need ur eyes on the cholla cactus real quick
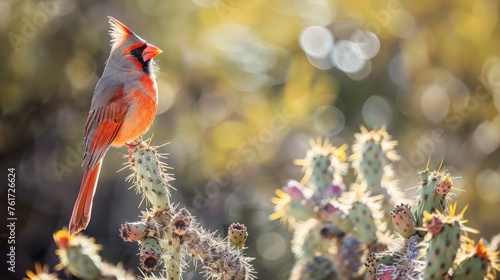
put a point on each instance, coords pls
(338, 224)
(434, 239)
(169, 236)
(339, 228)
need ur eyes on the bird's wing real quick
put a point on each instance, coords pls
(106, 115)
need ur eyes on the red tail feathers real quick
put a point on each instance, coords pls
(83, 205)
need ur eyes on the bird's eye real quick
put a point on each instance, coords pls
(134, 52)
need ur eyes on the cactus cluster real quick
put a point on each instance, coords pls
(171, 236)
(168, 236)
(368, 230)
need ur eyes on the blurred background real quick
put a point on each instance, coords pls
(242, 86)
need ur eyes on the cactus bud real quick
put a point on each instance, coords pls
(444, 186)
(371, 263)
(149, 254)
(403, 220)
(133, 231)
(433, 223)
(237, 235)
(181, 221)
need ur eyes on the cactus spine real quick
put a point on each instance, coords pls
(443, 246)
(150, 177)
(430, 199)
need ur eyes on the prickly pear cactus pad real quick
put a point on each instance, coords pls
(367, 229)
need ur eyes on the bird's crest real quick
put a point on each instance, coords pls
(120, 32)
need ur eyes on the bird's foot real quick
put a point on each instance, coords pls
(131, 145)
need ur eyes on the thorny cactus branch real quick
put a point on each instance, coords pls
(172, 236)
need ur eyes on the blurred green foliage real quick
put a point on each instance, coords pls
(243, 87)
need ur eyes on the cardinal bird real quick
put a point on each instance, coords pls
(123, 107)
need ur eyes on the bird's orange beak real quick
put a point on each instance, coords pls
(149, 52)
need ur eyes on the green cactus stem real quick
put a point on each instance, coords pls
(361, 217)
(79, 255)
(237, 235)
(149, 176)
(429, 200)
(171, 256)
(322, 174)
(443, 246)
(150, 254)
(323, 165)
(371, 167)
(474, 267)
(373, 154)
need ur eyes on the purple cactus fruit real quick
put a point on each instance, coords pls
(295, 189)
(433, 223)
(332, 191)
(444, 186)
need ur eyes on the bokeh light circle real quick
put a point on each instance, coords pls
(316, 12)
(367, 42)
(271, 246)
(487, 186)
(486, 137)
(361, 73)
(316, 41)
(434, 103)
(329, 120)
(345, 58)
(377, 111)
